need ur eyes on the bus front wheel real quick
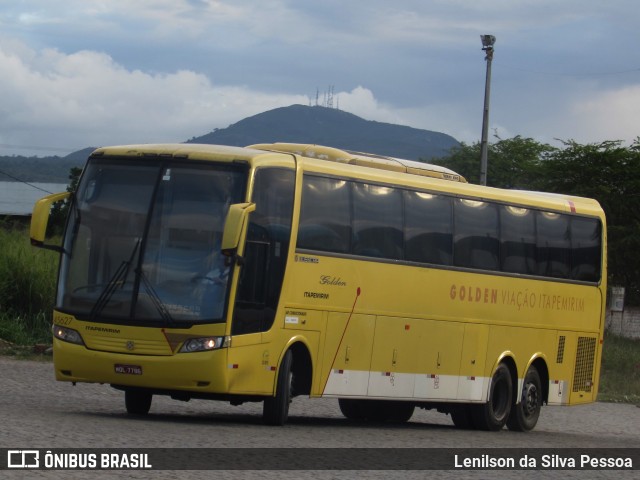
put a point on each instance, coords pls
(275, 410)
(137, 402)
(351, 409)
(525, 414)
(493, 415)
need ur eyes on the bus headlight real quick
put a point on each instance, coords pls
(67, 335)
(204, 344)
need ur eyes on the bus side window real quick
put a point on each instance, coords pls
(554, 245)
(325, 215)
(476, 234)
(377, 221)
(428, 228)
(586, 248)
(517, 240)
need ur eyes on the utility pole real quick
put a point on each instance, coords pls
(487, 47)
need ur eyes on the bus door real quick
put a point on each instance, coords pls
(253, 361)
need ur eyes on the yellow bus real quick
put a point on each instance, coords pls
(278, 270)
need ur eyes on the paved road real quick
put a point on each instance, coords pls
(38, 412)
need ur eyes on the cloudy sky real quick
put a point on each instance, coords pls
(77, 73)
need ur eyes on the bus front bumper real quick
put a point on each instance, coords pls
(196, 372)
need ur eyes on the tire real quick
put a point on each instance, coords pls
(275, 410)
(462, 417)
(137, 402)
(401, 412)
(351, 409)
(376, 410)
(524, 415)
(493, 415)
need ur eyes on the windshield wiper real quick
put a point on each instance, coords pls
(118, 279)
(155, 299)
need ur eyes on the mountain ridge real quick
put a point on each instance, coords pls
(293, 124)
(335, 128)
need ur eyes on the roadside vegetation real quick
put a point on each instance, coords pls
(620, 371)
(27, 288)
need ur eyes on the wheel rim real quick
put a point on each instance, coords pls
(530, 400)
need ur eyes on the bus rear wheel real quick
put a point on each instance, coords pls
(493, 415)
(524, 415)
(275, 410)
(137, 402)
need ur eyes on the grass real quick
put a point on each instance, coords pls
(27, 291)
(27, 288)
(620, 371)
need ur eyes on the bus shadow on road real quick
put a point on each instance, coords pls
(252, 419)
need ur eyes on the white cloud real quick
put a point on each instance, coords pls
(608, 115)
(361, 101)
(117, 71)
(87, 99)
(583, 111)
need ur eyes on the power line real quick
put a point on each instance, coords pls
(26, 183)
(569, 74)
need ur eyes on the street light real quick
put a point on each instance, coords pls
(487, 47)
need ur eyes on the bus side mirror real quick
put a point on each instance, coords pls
(233, 226)
(40, 219)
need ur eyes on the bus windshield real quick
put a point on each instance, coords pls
(143, 242)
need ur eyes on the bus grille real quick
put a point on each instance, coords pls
(585, 358)
(560, 356)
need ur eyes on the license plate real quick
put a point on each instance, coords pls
(128, 369)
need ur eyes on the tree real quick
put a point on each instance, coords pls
(513, 162)
(60, 210)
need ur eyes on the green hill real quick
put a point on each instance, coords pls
(52, 169)
(335, 128)
(296, 124)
